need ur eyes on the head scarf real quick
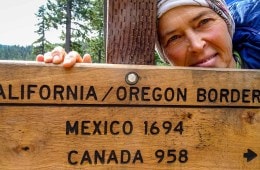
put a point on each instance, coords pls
(219, 6)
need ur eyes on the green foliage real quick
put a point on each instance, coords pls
(159, 61)
(41, 45)
(15, 52)
(95, 47)
(80, 23)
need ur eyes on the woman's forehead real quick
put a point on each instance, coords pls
(187, 14)
(188, 10)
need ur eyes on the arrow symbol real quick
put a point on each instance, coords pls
(250, 155)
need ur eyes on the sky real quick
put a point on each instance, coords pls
(18, 20)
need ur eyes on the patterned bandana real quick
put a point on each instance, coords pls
(219, 6)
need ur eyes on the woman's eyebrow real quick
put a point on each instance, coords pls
(170, 32)
(201, 14)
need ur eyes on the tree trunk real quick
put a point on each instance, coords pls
(105, 23)
(68, 26)
(43, 33)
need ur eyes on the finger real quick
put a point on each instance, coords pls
(71, 59)
(87, 58)
(58, 54)
(47, 57)
(40, 58)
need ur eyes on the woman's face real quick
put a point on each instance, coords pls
(195, 36)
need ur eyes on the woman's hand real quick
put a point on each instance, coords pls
(59, 56)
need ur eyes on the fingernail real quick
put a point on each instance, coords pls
(56, 58)
(67, 60)
(48, 57)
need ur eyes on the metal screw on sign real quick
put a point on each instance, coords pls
(131, 78)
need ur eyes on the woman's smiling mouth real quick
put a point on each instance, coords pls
(208, 62)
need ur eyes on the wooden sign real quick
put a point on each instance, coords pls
(128, 117)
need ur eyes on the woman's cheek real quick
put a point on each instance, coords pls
(176, 57)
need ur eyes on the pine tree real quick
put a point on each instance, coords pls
(41, 45)
(80, 23)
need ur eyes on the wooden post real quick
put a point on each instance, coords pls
(131, 26)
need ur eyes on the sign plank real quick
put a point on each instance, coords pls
(124, 117)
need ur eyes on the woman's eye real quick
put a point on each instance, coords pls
(173, 39)
(204, 21)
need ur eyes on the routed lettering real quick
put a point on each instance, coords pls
(48, 92)
(168, 94)
(105, 157)
(145, 94)
(87, 127)
(228, 95)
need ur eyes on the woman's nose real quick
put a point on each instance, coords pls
(196, 42)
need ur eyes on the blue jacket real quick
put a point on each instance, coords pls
(246, 40)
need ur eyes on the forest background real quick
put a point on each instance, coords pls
(81, 27)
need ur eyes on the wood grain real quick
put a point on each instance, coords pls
(131, 27)
(36, 131)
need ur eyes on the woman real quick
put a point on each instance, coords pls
(196, 33)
